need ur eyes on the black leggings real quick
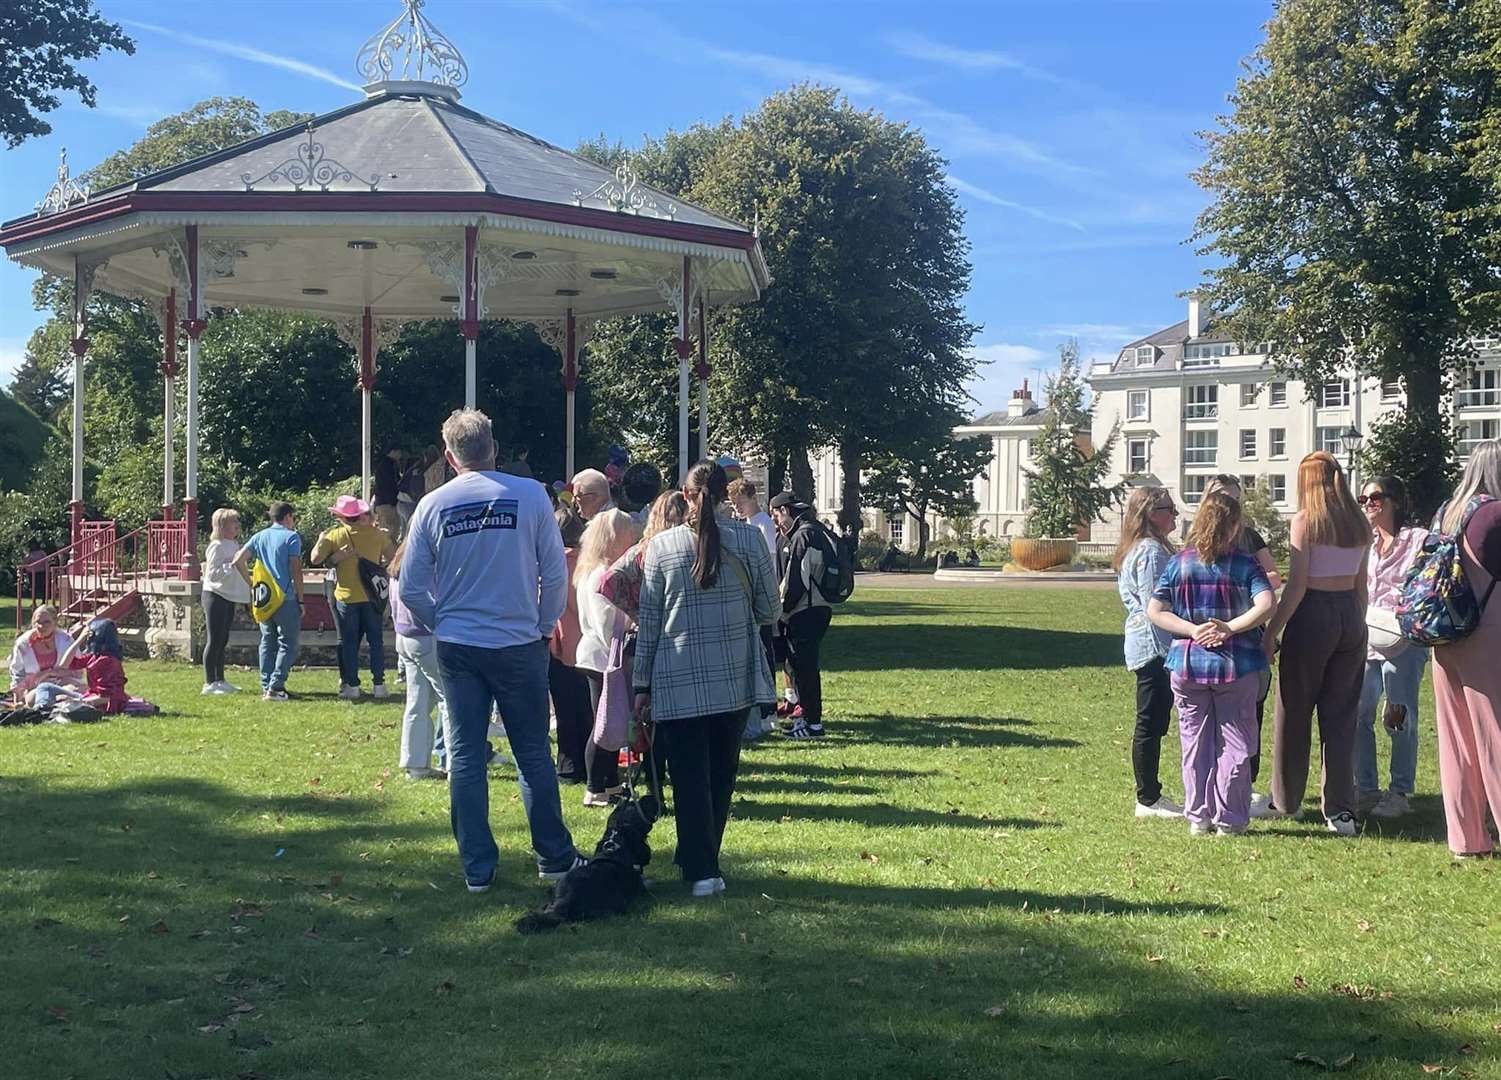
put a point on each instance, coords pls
(601, 766)
(1154, 707)
(218, 613)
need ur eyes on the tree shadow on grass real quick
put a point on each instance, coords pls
(928, 646)
(878, 816)
(756, 782)
(927, 731)
(182, 945)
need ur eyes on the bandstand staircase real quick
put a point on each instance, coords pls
(102, 573)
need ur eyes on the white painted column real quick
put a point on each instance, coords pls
(195, 328)
(471, 313)
(570, 384)
(169, 421)
(470, 374)
(367, 394)
(685, 349)
(683, 389)
(568, 407)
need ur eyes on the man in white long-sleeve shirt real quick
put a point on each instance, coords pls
(484, 570)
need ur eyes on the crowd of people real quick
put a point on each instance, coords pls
(1205, 624)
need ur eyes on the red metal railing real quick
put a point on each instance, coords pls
(101, 571)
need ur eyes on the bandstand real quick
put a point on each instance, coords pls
(404, 205)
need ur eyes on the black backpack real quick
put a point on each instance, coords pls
(837, 582)
(377, 583)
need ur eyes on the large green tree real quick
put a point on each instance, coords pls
(40, 44)
(932, 474)
(1067, 485)
(1357, 195)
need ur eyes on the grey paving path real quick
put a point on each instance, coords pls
(928, 581)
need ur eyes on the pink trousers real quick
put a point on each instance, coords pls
(1467, 689)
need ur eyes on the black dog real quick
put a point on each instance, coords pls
(610, 881)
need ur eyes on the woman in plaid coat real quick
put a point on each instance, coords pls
(706, 591)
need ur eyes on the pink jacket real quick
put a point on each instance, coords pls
(566, 635)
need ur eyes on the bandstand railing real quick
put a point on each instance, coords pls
(101, 572)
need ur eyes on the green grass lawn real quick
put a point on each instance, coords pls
(951, 884)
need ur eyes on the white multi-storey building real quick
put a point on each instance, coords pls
(1193, 403)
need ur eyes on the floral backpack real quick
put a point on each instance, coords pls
(1437, 605)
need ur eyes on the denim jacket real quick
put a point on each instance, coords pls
(1138, 577)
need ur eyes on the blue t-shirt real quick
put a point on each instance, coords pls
(277, 546)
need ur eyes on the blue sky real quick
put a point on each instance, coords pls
(1070, 125)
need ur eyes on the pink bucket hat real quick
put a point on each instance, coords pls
(347, 506)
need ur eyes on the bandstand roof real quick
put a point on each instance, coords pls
(364, 206)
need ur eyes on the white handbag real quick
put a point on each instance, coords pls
(1384, 634)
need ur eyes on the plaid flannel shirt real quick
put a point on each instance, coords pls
(698, 651)
(1198, 592)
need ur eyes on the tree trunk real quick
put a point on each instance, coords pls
(802, 474)
(1424, 383)
(922, 536)
(850, 461)
(776, 474)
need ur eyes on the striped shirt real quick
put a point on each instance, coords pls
(1198, 592)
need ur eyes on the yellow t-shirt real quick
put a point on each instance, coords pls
(367, 541)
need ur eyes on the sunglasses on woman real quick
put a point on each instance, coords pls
(1168, 509)
(1375, 498)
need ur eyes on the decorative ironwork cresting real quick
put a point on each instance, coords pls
(625, 194)
(418, 46)
(310, 168)
(65, 192)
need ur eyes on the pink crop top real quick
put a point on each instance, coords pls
(1326, 560)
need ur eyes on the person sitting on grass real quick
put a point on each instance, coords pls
(1213, 598)
(34, 659)
(96, 652)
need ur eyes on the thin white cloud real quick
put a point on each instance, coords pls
(920, 47)
(974, 191)
(1003, 367)
(245, 52)
(1005, 353)
(140, 115)
(789, 69)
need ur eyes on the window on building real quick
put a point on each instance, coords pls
(1203, 402)
(1278, 485)
(1193, 489)
(1474, 432)
(1276, 393)
(1247, 482)
(1334, 394)
(1328, 438)
(1391, 390)
(1207, 355)
(1249, 392)
(1138, 405)
(1481, 389)
(1138, 457)
(1247, 443)
(1201, 447)
(1146, 355)
(894, 530)
(1276, 442)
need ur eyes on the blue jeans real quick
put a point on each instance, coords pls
(279, 637)
(1398, 681)
(515, 679)
(358, 621)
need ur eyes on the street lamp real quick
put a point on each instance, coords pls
(1350, 440)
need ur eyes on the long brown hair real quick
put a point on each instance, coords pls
(705, 487)
(1216, 527)
(669, 510)
(1330, 513)
(393, 564)
(1137, 524)
(1482, 476)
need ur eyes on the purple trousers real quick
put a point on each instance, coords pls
(1217, 727)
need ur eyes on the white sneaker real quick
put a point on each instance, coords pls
(227, 687)
(1342, 824)
(379, 692)
(349, 693)
(1261, 805)
(1392, 805)
(426, 774)
(708, 887)
(209, 688)
(1200, 828)
(1231, 830)
(1162, 808)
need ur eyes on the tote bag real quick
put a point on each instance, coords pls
(612, 722)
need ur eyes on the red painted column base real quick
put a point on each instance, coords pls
(189, 570)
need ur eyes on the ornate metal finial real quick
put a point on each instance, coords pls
(625, 194)
(424, 54)
(65, 192)
(310, 168)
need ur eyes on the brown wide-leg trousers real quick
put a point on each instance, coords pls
(1322, 664)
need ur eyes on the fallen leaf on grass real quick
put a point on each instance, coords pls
(1364, 926)
(1432, 1068)
(240, 1005)
(1465, 1049)
(1153, 958)
(866, 856)
(444, 987)
(855, 980)
(159, 927)
(995, 1010)
(152, 875)
(209, 1029)
(1300, 983)
(201, 934)
(58, 1013)
(315, 781)
(311, 933)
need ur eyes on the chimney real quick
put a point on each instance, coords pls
(1021, 402)
(1194, 322)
